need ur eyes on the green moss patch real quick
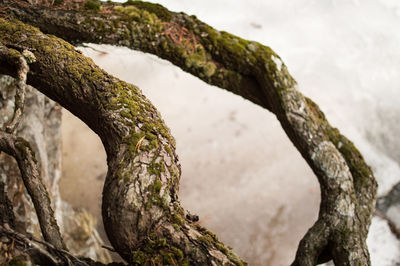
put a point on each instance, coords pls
(157, 251)
(92, 5)
(160, 11)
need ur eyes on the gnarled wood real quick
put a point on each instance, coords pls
(143, 169)
(141, 210)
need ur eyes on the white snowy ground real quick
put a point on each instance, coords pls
(240, 173)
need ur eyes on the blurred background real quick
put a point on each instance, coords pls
(240, 173)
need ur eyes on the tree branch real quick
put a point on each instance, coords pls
(141, 211)
(20, 149)
(243, 67)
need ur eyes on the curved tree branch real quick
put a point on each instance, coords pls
(249, 69)
(141, 210)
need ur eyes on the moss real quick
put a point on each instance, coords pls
(209, 69)
(178, 253)
(177, 219)
(199, 61)
(205, 240)
(132, 12)
(135, 14)
(157, 251)
(160, 11)
(222, 248)
(168, 258)
(156, 169)
(129, 2)
(138, 257)
(157, 186)
(242, 56)
(205, 231)
(14, 56)
(119, 9)
(316, 110)
(176, 227)
(362, 173)
(92, 5)
(157, 200)
(152, 142)
(161, 242)
(100, 26)
(195, 60)
(252, 47)
(147, 206)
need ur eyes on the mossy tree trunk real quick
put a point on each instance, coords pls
(141, 210)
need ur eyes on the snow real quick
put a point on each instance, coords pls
(383, 246)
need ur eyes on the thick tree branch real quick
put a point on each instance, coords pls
(243, 67)
(141, 211)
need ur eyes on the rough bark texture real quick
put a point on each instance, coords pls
(141, 210)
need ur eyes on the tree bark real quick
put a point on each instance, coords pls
(141, 210)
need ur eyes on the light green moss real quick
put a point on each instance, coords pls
(177, 219)
(199, 61)
(209, 69)
(160, 11)
(119, 8)
(138, 257)
(14, 54)
(136, 14)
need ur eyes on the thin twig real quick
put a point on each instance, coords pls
(27, 244)
(54, 255)
(108, 248)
